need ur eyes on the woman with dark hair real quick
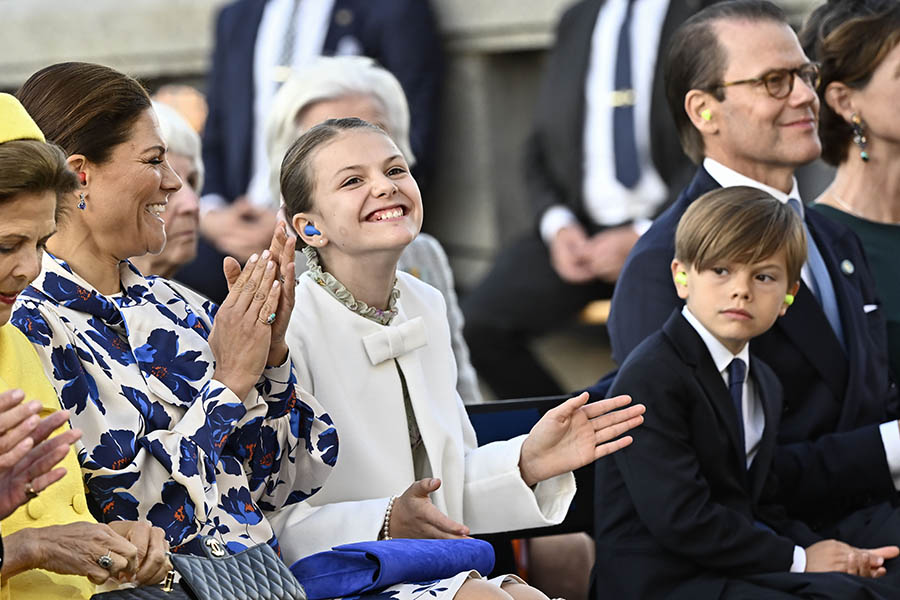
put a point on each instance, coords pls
(191, 413)
(858, 45)
(53, 548)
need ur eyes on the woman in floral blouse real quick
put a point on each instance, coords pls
(191, 413)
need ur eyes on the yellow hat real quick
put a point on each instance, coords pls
(15, 122)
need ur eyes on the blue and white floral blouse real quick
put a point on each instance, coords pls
(163, 440)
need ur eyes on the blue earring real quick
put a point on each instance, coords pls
(81, 203)
(310, 230)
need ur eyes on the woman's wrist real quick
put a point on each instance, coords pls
(21, 551)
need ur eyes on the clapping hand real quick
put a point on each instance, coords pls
(575, 434)
(27, 457)
(242, 332)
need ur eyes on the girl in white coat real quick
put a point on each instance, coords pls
(373, 345)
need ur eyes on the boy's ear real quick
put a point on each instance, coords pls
(679, 278)
(791, 292)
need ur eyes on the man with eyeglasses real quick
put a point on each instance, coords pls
(742, 94)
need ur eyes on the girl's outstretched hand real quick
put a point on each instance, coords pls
(575, 434)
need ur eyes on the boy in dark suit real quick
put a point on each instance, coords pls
(687, 510)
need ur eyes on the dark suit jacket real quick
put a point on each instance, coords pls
(830, 448)
(400, 34)
(555, 150)
(676, 509)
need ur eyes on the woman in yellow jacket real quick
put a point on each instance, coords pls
(52, 546)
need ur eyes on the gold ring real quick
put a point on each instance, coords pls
(30, 494)
(271, 318)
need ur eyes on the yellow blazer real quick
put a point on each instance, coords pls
(61, 503)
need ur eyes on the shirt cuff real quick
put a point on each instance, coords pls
(555, 218)
(890, 438)
(799, 564)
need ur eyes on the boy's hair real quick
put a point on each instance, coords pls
(740, 224)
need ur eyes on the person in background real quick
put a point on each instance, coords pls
(53, 547)
(182, 213)
(602, 161)
(858, 46)
(191, 413)
(354, 86)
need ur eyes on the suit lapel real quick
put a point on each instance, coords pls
(696, 356)
(807, 327)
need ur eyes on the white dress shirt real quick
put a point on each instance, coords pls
(607, 201)
(753, 416)
(726, 177)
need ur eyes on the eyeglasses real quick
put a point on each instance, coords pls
(780, 82)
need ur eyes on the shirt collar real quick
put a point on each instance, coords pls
(727, 177)
(721, 355)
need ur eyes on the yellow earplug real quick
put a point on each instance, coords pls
(706, 114)
(681, 277)
(788, 299)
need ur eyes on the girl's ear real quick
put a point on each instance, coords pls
(307, 230)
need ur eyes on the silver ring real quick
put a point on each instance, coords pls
(105, 561)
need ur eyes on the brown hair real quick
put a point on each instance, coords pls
(850, 38)
(695, 60)
(85, 108)
(32, 166)
(297, 178)
(740, 224)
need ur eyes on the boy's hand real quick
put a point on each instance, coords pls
(832, 555)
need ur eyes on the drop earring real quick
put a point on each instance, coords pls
(859, 136)
(82, 178)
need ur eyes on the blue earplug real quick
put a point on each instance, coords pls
(310, 230)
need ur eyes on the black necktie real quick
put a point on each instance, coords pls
(628, 170)
(737, 372)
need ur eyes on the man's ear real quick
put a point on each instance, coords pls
(701, 108)
(840, 98)
(791, 292)
(679, 278)
(306, 228)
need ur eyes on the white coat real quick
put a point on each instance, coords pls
(481, 486)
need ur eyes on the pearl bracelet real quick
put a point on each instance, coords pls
(386, 528)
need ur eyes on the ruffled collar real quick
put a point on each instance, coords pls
(343, 295)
